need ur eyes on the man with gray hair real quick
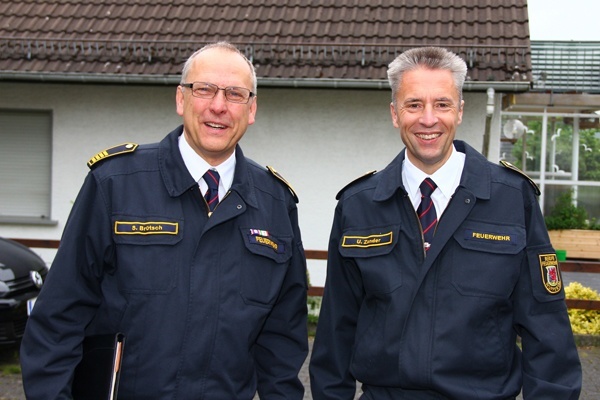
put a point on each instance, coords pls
(189, 249)
(439, 265)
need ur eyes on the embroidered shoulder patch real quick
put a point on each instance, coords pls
(383, 239)
(550, 273)
(113, 151)
(360, 178)
(281, 179)
(517, 170)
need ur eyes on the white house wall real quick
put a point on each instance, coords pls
(318, 139)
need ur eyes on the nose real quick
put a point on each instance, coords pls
(428, 117)
(218, 104)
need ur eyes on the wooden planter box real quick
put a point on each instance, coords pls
(579, 243)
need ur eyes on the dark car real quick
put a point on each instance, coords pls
(22, 273)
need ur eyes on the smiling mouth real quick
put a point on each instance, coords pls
(216, 126)
(428, 136)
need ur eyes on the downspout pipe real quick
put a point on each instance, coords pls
(489, 113)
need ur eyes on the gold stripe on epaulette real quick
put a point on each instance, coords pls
(113, 151)
(281, 178)
(360, 178)
(512, 167)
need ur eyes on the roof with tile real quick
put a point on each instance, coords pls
(285, 39)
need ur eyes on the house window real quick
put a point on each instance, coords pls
(25, 161)
(560, 151)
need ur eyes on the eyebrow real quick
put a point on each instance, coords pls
(416, 99)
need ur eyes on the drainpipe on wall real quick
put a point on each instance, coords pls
(489, 113)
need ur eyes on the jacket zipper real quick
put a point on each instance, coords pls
(208, 208)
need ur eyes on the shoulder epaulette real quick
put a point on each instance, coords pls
(360, 178)
(281, 179)
(517, 170)
(113, 151)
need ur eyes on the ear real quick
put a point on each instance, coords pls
(179, 97)
(253, 107)
(460, 112)
(394, 115)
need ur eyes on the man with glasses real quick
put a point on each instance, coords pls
(438, 263)
(189, 249)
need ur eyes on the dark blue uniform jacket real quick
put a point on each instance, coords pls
(212, 308)
(444, 326)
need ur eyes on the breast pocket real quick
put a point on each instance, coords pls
(371, 249)
(487, 260)
(264, 265)
(147, 254)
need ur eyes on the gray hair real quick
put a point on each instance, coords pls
(429, 58)
(218, 45)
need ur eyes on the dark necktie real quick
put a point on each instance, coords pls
(211, 178)
(426, 211)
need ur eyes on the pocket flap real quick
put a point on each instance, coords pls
(147, 230)
(268, 244)
(491, 238)
(369, 242)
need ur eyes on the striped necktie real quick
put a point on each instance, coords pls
(426, 211)
(211, 177)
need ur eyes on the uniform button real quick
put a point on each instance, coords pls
(239, 206)
(467, 201)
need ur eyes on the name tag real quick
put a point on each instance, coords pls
(367, 241)
(146, 228)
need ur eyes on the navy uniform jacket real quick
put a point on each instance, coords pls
(444, 326)
(211, 308)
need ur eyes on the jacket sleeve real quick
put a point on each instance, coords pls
(282, 345)
(51, 346)
(330, 374)
(551, 367)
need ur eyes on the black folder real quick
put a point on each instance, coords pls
(97, 375)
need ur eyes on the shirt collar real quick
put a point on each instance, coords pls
(197, 167)
(447, 178)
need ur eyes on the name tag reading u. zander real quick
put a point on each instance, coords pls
(146, 228)
(383, 239)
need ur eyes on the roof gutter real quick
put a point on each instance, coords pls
(469, 86)
(90, 78)
(325, 83)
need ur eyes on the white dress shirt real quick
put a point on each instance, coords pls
(447, 179)
(198, 167)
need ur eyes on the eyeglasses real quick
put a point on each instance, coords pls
(233, 94)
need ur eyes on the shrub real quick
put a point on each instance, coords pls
(314, 306)
(583, 322)
(566, 215)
